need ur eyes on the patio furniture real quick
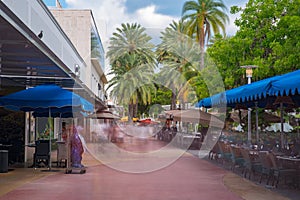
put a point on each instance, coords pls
(266, 163)
(251, 165)
(214, 152)
(225, 152)
(280, 172)
(237, 157)
(42, 153)
(62, 154)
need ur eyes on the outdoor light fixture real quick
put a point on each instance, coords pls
(249, 76)
(249, 71)
(77, 68)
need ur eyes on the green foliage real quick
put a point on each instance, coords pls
(268, 36)
(12, 126)
(205, 17)
(132, 64)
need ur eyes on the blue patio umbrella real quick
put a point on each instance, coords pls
(63, 112)
(44, 96)
(258, 93)
(46, 99)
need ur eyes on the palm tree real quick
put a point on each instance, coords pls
(131, 39)
(204, 17)
(134, 86)
(177, 53)
(132, 64)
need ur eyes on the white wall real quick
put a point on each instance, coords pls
(36, 16)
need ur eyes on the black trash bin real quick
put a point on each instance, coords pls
(3, 161)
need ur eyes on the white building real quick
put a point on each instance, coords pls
(38, 48)
(81, 29)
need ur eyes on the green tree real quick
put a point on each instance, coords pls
(273, 28)
(132, 64)
(131, 39)
(268, 37)
(178, 54)
(204, 17)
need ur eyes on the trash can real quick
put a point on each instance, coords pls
(3, 161)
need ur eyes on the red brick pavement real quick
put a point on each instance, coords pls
(187, 178)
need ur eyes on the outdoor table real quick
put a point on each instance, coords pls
(193, 140)
(289, 162)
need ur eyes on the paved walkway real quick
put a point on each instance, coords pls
(186, 178)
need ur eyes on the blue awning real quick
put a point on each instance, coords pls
(45, 97)
(287, 84)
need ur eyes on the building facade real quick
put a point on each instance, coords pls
(81, 29)
(38, 47)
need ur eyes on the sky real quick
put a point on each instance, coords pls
(154, 15)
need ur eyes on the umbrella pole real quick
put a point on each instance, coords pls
(60, 128)
(249, 127)
(256, 120)
(281, 121)
(50, 129)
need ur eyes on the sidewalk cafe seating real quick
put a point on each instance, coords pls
(214, 152)
(237, 158)
(251, 164)
(280, 172)
(62, 154)
(266, 170)
(42, 153)
(225, 152)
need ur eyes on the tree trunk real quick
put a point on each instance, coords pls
(130, 112)
(202, 43)
(173, 102)
(135, 110)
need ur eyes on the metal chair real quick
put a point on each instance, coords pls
(225, 152)
(280, 172)
(237, 157)
(42, 153)
(62, 156)
(266, 170)
(251, 165)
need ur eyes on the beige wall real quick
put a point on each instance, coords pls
(77, 26)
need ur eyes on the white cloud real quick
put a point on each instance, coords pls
(110, 14)
(154, 22)
(149, 18)
(231, 28)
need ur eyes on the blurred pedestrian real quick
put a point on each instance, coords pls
(76, 148)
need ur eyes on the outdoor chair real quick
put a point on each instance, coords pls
(266, 170)
(42, 153)
(250, 165)
(214, 152)
(280, 172)
(62, 156)
(236, 158)
(225, 152)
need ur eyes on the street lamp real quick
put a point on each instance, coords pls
(249, 72)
